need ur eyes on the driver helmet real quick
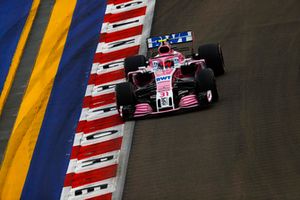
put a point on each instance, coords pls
(169, 63)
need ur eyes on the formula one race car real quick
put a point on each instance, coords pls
(169, 81)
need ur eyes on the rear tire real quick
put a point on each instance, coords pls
(133, 63)
(212, 54)
(205, 81)
(125, 98)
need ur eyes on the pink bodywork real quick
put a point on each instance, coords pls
(164, 76)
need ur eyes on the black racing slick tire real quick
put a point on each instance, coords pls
(125, 94)
(125, 99)
(133, 63)
(212, 54)
(205, 81)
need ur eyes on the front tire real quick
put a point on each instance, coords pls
(205, 81)
(213, 56)
(126, 100)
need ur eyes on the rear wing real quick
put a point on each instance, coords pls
(179, 41)
(174, 38)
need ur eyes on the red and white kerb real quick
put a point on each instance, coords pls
(92, 170)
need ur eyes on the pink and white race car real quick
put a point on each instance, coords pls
(169, 80)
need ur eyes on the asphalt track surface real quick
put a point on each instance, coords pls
(11, 108)
(247, 146)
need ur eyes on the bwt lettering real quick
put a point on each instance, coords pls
(163, 78)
